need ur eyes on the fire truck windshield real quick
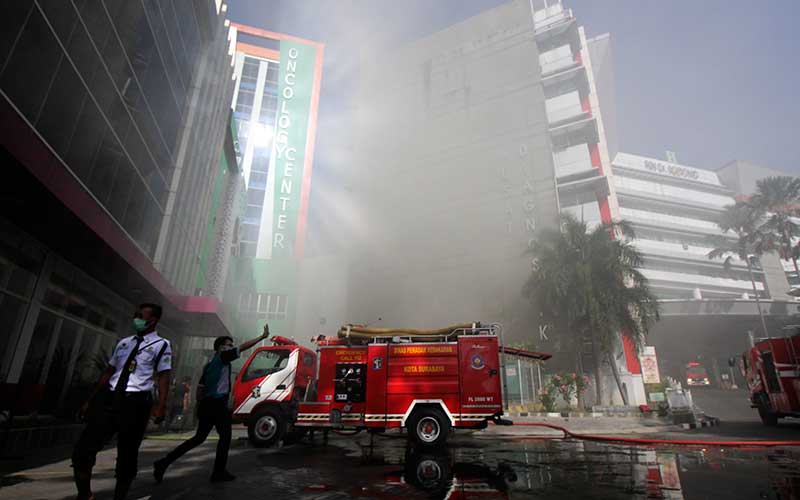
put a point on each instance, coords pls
(266, 362)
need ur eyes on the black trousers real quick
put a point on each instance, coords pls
(211, 413)
(125, 415)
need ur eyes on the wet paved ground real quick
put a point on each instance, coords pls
(478, 466)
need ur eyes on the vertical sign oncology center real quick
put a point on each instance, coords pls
(290, 164)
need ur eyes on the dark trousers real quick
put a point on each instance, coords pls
(125, 415)
(211, 413)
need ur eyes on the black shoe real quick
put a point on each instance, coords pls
(159, 468)
(222, 477)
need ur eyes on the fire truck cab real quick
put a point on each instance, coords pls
(772, 371)
(425, 382)
(269, 386)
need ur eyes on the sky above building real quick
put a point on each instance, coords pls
(713, 80)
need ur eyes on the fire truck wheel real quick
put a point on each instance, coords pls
(767, 417)
(428, 427)
(265, 428)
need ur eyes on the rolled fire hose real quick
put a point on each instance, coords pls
(361, 332)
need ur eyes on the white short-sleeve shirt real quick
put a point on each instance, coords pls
(142, 378)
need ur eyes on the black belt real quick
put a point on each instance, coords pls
(133, 394)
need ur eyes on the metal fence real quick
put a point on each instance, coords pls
(523, 379)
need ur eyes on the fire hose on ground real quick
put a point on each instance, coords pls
(648, 441)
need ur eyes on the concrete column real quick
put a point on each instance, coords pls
(775, 277)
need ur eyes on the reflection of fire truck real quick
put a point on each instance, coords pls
(771, 369)
(427, 382)
(440, 475)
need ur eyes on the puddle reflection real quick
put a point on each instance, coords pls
(574, 469)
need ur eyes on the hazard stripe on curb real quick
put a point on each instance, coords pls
(705, 423)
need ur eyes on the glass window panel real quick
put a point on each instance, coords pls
(151, 226)
(61, 110)
(12, 314)
(58, 367)
(252, 211)
(89, 132)
(171, 27)
(250, 232)
(283, 304)
(61, 15)
(85, 371)
(12, 19)
(20, 262)
(245, 97)
(272, 73)
(156, 23)
(255, 196)
(158, 187)
(263, 302)
(135, 210)
(83, 53)
(250, 68)
(25, 87)
(38, 349)
(247, 249)
(115, 60)
(105, 168)
(121, 190)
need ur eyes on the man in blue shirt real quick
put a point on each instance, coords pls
(213, 393)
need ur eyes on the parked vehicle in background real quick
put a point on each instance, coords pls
(696, 375)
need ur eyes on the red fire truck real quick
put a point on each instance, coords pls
(427, 382)
(772, 368)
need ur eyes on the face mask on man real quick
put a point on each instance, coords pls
(139, 325)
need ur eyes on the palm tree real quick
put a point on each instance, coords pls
(587, 283)
(778, 198)
(743, 220)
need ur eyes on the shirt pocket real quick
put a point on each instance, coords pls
(146, 358)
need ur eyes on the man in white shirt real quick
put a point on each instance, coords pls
(122, 402)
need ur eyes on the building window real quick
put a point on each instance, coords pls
(269, 306)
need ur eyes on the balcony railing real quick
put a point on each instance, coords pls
(697, 280)
(572, 160)
(557, 60)
(564, 107)
(677, 250)
(550, 16)
(656, 219)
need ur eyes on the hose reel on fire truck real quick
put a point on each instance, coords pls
(364, 333)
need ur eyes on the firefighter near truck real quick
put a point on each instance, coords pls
(427, 382)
